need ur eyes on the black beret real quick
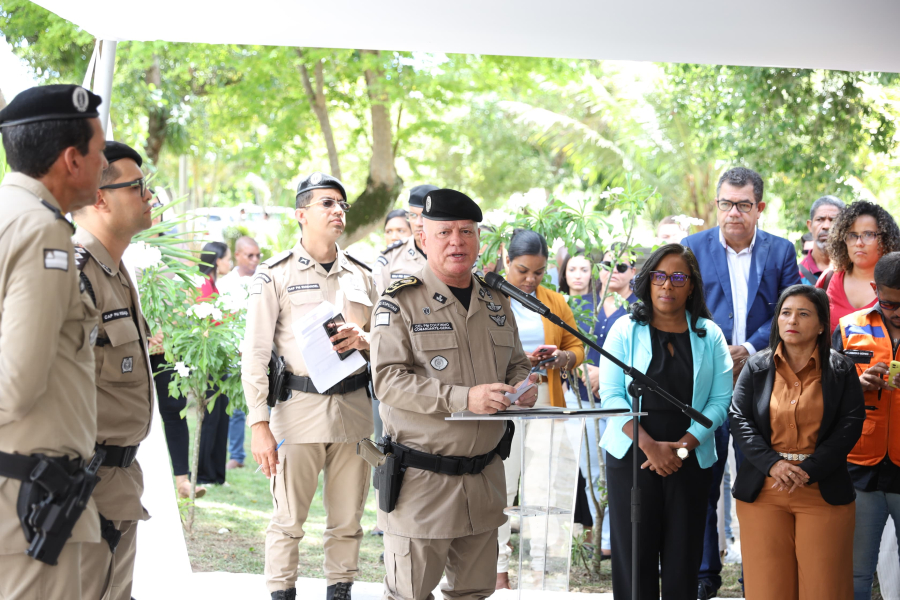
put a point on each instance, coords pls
(450, 205)
(418, 193)
(318, 181)
(117, 151)
(50, 103)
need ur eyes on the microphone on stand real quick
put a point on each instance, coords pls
(527, 300)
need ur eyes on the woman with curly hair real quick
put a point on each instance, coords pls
(862, 233)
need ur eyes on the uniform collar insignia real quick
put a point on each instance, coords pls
(97, 250)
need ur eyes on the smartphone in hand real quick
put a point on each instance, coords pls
(331, 328)
(894, 369)
(544, 350)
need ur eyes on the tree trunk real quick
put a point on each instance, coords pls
(156, 116)
(317, 102)
(195, 462)
(383, 184)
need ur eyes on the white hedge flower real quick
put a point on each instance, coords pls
(685, 221)
(182, 369)
(202, 310)
(611, 192)
(142, 255)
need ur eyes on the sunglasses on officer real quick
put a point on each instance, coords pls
(328, 204)
(678, 279)
(137, 183)
(621, 267)
(885, 304)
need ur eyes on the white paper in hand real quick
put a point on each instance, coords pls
(523, 387)
(323, 363)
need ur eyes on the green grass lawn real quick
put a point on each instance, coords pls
(244, 506)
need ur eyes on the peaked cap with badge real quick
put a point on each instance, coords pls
(321, 181)
(50, 103)
(450, 205)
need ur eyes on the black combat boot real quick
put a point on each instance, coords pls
(339, 591)
(290, 594)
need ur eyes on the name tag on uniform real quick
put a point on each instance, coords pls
(425, 327)
(119, 313)
(56, 259)
(399, 275)
(305, 286)
(859, 357)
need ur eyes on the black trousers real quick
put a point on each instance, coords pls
(214, 443)
(673, 518)
(170, 407)
(582, 508)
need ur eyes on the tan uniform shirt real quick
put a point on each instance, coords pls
(48, 402)
(285, 288)
(124, 380)
(427, 351)
(401, 259)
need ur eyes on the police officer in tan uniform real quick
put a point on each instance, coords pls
(445, 342)
(48, 324)
(320, 428)
(123, 378)
(402, 259)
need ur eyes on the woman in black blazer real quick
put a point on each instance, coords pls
(796, 413)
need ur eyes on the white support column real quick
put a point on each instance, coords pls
(103, 80)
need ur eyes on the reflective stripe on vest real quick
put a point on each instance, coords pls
(865, 330)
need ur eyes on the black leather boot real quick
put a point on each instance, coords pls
(290, 594)
(339, 591)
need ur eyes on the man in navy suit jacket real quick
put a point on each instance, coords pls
(744, 270)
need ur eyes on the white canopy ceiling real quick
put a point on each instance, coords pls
(849, 35)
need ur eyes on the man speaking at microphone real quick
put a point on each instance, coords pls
(444, 342)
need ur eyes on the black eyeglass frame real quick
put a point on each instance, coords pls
(654, 278)
(731, 205)
(142, 183)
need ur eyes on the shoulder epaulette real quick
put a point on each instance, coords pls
(481, 280)
(81, 256)
(396, 244)
(359, 262)
(410, 281)
(58, 214)
(278, 258)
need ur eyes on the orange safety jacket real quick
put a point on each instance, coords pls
(862, 333)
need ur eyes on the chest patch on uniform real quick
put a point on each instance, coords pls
(305, 286)
(388, 305)
(256, 288)
(411, 252)
(498, 319)
(859, 357)
(440, 298)
(304, 261)
(439, 363)
(426, 327)
(383, 260)
(264, 277)
(399, 275)
(119, 313)
(128, 364)
(494, 307)
(383, 319)
(481, 292)
(56, 259)
(426, 310)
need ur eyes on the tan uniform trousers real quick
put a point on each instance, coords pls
(796, 546)
(414, 567)
(24, 578)
(108, 576)
(293, 488)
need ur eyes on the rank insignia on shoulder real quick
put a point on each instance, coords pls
(396, 244)
(499, 319)
(263, 277)
(271, 262)
(81, 257)
(410, 281)
(382, 260)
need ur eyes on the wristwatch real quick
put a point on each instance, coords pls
(682, 453)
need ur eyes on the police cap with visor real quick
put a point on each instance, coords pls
(450, 205)
(321, 181)
(50, 103)
(418, 193)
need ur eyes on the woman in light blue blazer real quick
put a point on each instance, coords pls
(669, 336)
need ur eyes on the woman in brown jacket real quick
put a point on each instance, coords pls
(526, 263)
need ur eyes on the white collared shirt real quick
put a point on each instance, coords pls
(739, 275)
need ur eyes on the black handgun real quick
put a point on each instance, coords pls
(278, 392)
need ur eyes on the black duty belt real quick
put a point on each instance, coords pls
(445, 465)
(119, 456)
(54, 471)
(305, 384)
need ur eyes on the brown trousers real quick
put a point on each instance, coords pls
(414, 567)
(24, 578)
(108, 576)
(796, 546)
(293, 488)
